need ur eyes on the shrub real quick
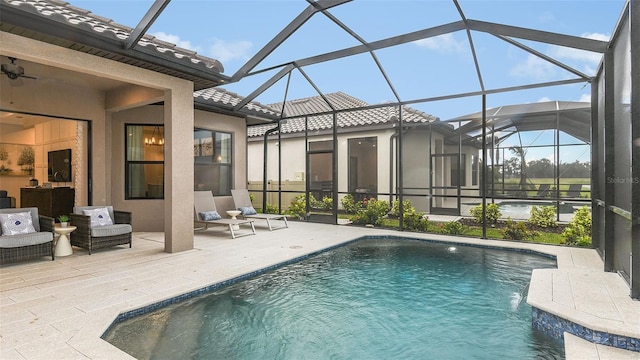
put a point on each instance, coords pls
(578, 231)
(372, 213)
(272, 209)
(407, 208)
(517, 231)
(492, 213)
(349, 204)
(451, 228)
(327, 203)
(298, 207)
(544, 216)
(415, 221)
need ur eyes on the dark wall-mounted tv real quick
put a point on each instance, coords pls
(60, 165)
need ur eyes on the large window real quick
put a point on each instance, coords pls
(212, 158)
(144, 171)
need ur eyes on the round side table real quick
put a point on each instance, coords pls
(63, 246)
(234, 214)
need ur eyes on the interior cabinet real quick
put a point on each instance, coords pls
(50, 202)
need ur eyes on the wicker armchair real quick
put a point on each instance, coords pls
(20, 247)
(90, 238)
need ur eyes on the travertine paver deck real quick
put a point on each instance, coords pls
(58, 309)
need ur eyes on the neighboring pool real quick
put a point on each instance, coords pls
(519, 207)
(370, 299)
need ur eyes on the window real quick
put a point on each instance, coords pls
(212, 161)
(144, 168)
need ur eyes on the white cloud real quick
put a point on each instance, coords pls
(444, 43)
(227, 51)
(544, 99)
(587, 61)
(539, 69)
(175, 39)
(534, 67)
(585, 98)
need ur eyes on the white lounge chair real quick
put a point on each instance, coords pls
(204, 205)
(243, 203)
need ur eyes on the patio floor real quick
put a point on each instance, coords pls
(58, 309)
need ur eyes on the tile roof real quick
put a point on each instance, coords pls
(296, 110)
(227, 100)
(51, 13)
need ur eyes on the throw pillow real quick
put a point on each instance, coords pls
(16, 223)
(247, 210)
(99, 216)
(210, 215)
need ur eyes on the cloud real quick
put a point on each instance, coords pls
(585, 98)
(544, 99)
(227, 51)
(586, 61)
(175, 39)
(582, 60)
(222, 50)
(444, 43)
(534, 67)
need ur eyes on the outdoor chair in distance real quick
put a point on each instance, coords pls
(207, 214)
(243, 203)
(574, 191)
(543, 190)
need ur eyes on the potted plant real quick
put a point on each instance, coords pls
(64, 220)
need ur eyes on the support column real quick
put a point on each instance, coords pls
(634, 20)
(178, 168)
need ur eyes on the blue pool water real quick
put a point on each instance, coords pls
(371, 299)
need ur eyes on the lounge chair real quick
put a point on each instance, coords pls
(205, 215)
(575, 190)
(243, 203)
(543, 190)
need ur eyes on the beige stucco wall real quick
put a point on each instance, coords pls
(149, 213)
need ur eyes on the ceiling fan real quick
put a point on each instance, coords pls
(14, 71)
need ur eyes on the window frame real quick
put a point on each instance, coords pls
(127, 163)
(220, 165)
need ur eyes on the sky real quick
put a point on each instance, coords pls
(234, 31)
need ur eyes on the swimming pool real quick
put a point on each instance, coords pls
(373, 298)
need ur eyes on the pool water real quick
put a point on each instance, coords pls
(371, 299)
